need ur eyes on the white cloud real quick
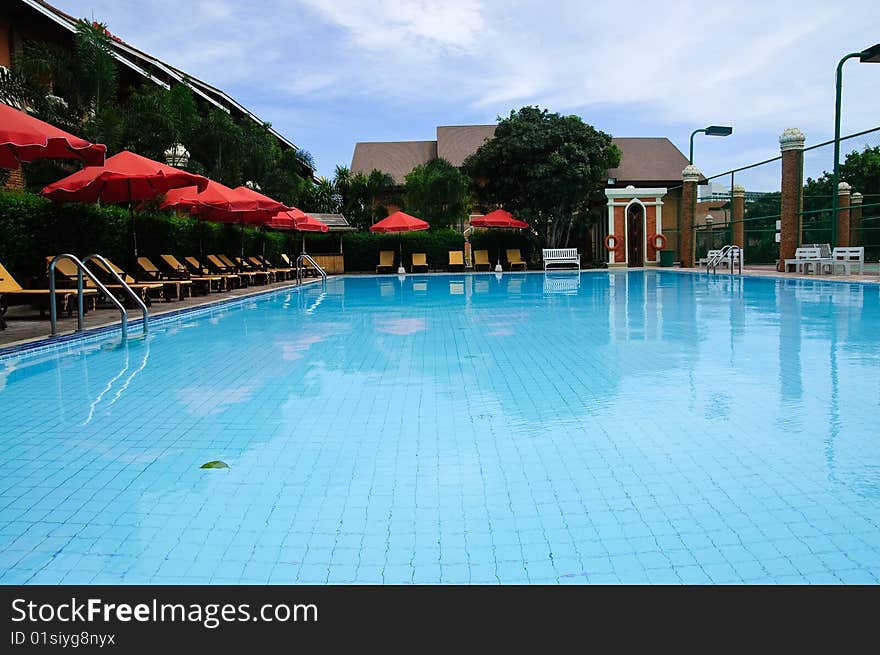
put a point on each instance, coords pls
(389, 68)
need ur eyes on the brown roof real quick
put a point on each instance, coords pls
(455, 143)
(646, 160)
(397, 158)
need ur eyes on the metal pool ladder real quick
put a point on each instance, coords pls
(730, 254)
(81, 270)
(300, 268)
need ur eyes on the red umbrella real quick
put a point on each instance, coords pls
(25, 138)
(124, 177)
(400, 222)
(217, 203)
(263, 202)
(499, 218)
(296, 219)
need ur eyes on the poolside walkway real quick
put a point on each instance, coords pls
(24, 325)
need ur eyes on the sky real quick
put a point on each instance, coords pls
(329, 73)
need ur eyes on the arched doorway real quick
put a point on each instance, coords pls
(635, 235)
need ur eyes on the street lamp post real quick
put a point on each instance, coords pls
(712, 130)
(868, 56)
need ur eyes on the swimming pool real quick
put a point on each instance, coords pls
(636, 427)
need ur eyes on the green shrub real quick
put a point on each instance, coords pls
(32, 227)
(361, 249)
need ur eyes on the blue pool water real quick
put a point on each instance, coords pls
(609, 427)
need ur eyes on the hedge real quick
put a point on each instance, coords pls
(32, 227)
(361, 249)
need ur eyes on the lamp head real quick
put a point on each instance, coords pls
(870, 55)
(719, 130)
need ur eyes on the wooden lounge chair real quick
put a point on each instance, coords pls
(308, 269)
(217, 266)
(230, 280)
(386, 262)
(419, 262)
(284, 272)
(65, 298)
(276, 274)
(245, 265)
(481, 260)
(231, 266)
(456, 260)
(171, 289)
(174, 269)
(67, 270)
(152, 272)
(514, 259)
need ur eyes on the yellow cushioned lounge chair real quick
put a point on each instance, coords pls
(214, 282)
(514, 259)
(456, 260)
(10, 289)
(386, 262)
(68, 271)
(230, 280)
(419, 262)
(481, 259)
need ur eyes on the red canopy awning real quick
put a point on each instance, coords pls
(25, 138)
(499, 218)
(400, 222)
(124, 177)
(296, 219)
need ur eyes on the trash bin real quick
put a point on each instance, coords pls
(667, 258)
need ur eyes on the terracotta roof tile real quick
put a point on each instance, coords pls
(397, 158)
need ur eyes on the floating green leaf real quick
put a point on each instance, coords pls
(216, 464)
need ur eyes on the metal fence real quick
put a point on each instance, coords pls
(762, 207)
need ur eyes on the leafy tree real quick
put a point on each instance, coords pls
(544, 168)
(361, 198)
(438, 192)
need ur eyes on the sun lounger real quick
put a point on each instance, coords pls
(230, 280)
(260, 274)
(514, 259)
(419, 262)
(481, 260)
(284, 272)
(456, 260)
(386, 262)
(276, 274)
(231, 266)
(175, 269)
(66, 298)
(68, 271)
(151, 272)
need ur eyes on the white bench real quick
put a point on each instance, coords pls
(564, 256)
(804, 258)
(709, 256)
(845, 258)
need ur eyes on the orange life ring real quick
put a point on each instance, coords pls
(662, 238)
(618, 244)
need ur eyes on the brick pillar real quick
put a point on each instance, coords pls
(15, 180)
(737, 212)
(791, 144)
(690, 176)
(855, 219)
(843, 197)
